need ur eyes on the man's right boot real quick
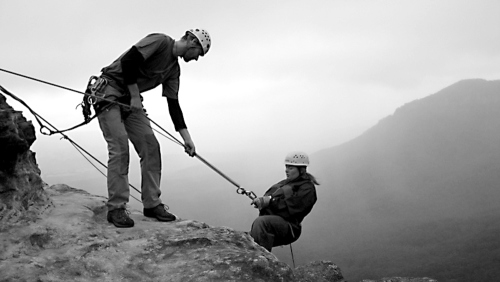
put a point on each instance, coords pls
(120, 218)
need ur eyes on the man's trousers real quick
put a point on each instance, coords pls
(118, 130)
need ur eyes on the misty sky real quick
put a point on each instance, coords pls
(280, 76)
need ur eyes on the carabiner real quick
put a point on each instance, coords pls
(92, 80)
(96, 84)
(92, 100)
(252, 195)
(240, 190)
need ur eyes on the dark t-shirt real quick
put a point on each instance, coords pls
(160, 66)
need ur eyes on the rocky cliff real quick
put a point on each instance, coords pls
(21, 188)
(59, 233)
(72, 241)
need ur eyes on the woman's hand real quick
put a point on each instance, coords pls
(261, 202)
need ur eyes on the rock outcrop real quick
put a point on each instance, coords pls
(21, 187)
(71, 240)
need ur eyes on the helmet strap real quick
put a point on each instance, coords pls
(302, 170)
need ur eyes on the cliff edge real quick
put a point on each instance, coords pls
(71, 240)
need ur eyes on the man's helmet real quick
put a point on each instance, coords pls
(203, 37)
(297, 159)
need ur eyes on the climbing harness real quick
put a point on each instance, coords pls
(97, 84)
(94, 85)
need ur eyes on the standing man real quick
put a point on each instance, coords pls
(150, 62)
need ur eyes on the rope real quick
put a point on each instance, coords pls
(104, 174)
(78, 147)
(240, 190)
(51, 132)
(63, 87)
(291, 251)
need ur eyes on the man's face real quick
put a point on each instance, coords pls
(194, 51)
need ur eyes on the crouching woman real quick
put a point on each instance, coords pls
(285, 204)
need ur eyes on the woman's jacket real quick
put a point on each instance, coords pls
(292, 200)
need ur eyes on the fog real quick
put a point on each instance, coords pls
(280, 76)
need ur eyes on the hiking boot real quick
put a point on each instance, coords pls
(159, 212)
(120, 218)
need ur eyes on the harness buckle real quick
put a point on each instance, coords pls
(96, 84)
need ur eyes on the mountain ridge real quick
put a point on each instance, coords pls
(433, 159)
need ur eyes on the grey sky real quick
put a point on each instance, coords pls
(280, 76)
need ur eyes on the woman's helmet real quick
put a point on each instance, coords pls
(297, 159)
(203, 37)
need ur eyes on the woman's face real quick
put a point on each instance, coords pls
(292, 172)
